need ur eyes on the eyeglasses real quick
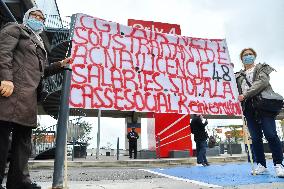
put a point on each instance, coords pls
(37, 16)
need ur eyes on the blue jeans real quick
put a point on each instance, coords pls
(252, 152)
(265, 125)
(201, 151)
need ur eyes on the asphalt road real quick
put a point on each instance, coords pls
(128, 178)
(94, 174)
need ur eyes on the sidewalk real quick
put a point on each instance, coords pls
(124, 161)
(164, 182)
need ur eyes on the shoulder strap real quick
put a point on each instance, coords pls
(39, 62)
(248, 83)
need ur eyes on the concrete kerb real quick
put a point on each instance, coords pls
(36, 164)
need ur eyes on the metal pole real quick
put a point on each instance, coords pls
(61, 131)
(159, 148)
(247, 141)
(98, 134)
(244, 123)
(73, 148)
(117, 147)
(65, 166)
(230, 145)
(8, 10)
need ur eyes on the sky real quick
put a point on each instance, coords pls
(244, 23)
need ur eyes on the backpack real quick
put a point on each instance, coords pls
(211, 142)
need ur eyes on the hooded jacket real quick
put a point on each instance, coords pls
(23, 60)
(27, 15)
(260, 83)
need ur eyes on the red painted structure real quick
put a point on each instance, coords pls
(172, 131)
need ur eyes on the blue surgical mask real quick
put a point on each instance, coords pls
(35, 24)
(248, 59)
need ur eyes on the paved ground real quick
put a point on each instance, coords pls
(225, 172)
(95, 174)
(220, 175)
(215, 176)
(162, 183)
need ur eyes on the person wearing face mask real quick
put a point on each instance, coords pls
(23, 63)
(251, 81)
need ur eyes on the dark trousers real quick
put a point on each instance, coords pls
(18, 174)
(133, 147)
(201, 151)
(252, 152)
(263, 125)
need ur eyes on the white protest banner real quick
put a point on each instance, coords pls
(117, 67)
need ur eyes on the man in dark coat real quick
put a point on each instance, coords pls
(200, 138)
(23, 62)
(132, 138)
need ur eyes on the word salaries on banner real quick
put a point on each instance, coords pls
(117, 67)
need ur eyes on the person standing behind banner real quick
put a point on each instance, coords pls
(23, 63)
(132, 138)
(200, 137)
(251, 81)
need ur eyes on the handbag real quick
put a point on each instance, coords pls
(43, 86)
(42, 90)
(267, 105)
(270, 106)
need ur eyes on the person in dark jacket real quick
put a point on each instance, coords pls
(23, 62)
(251, 81)
(200, 137)
(132, 138)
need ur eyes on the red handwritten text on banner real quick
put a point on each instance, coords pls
(122, 68)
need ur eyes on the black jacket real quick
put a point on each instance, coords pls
(132, 136)
(198, 129)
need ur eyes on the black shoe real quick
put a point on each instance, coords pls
(31, 186)
(206, 164)
(35, 186)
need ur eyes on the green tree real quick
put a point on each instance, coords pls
(84, 131)
(236, 133)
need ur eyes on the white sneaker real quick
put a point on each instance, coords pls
(279, 170)
(200, 165)
(260, 170)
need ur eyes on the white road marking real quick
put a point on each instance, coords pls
(182, 179)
